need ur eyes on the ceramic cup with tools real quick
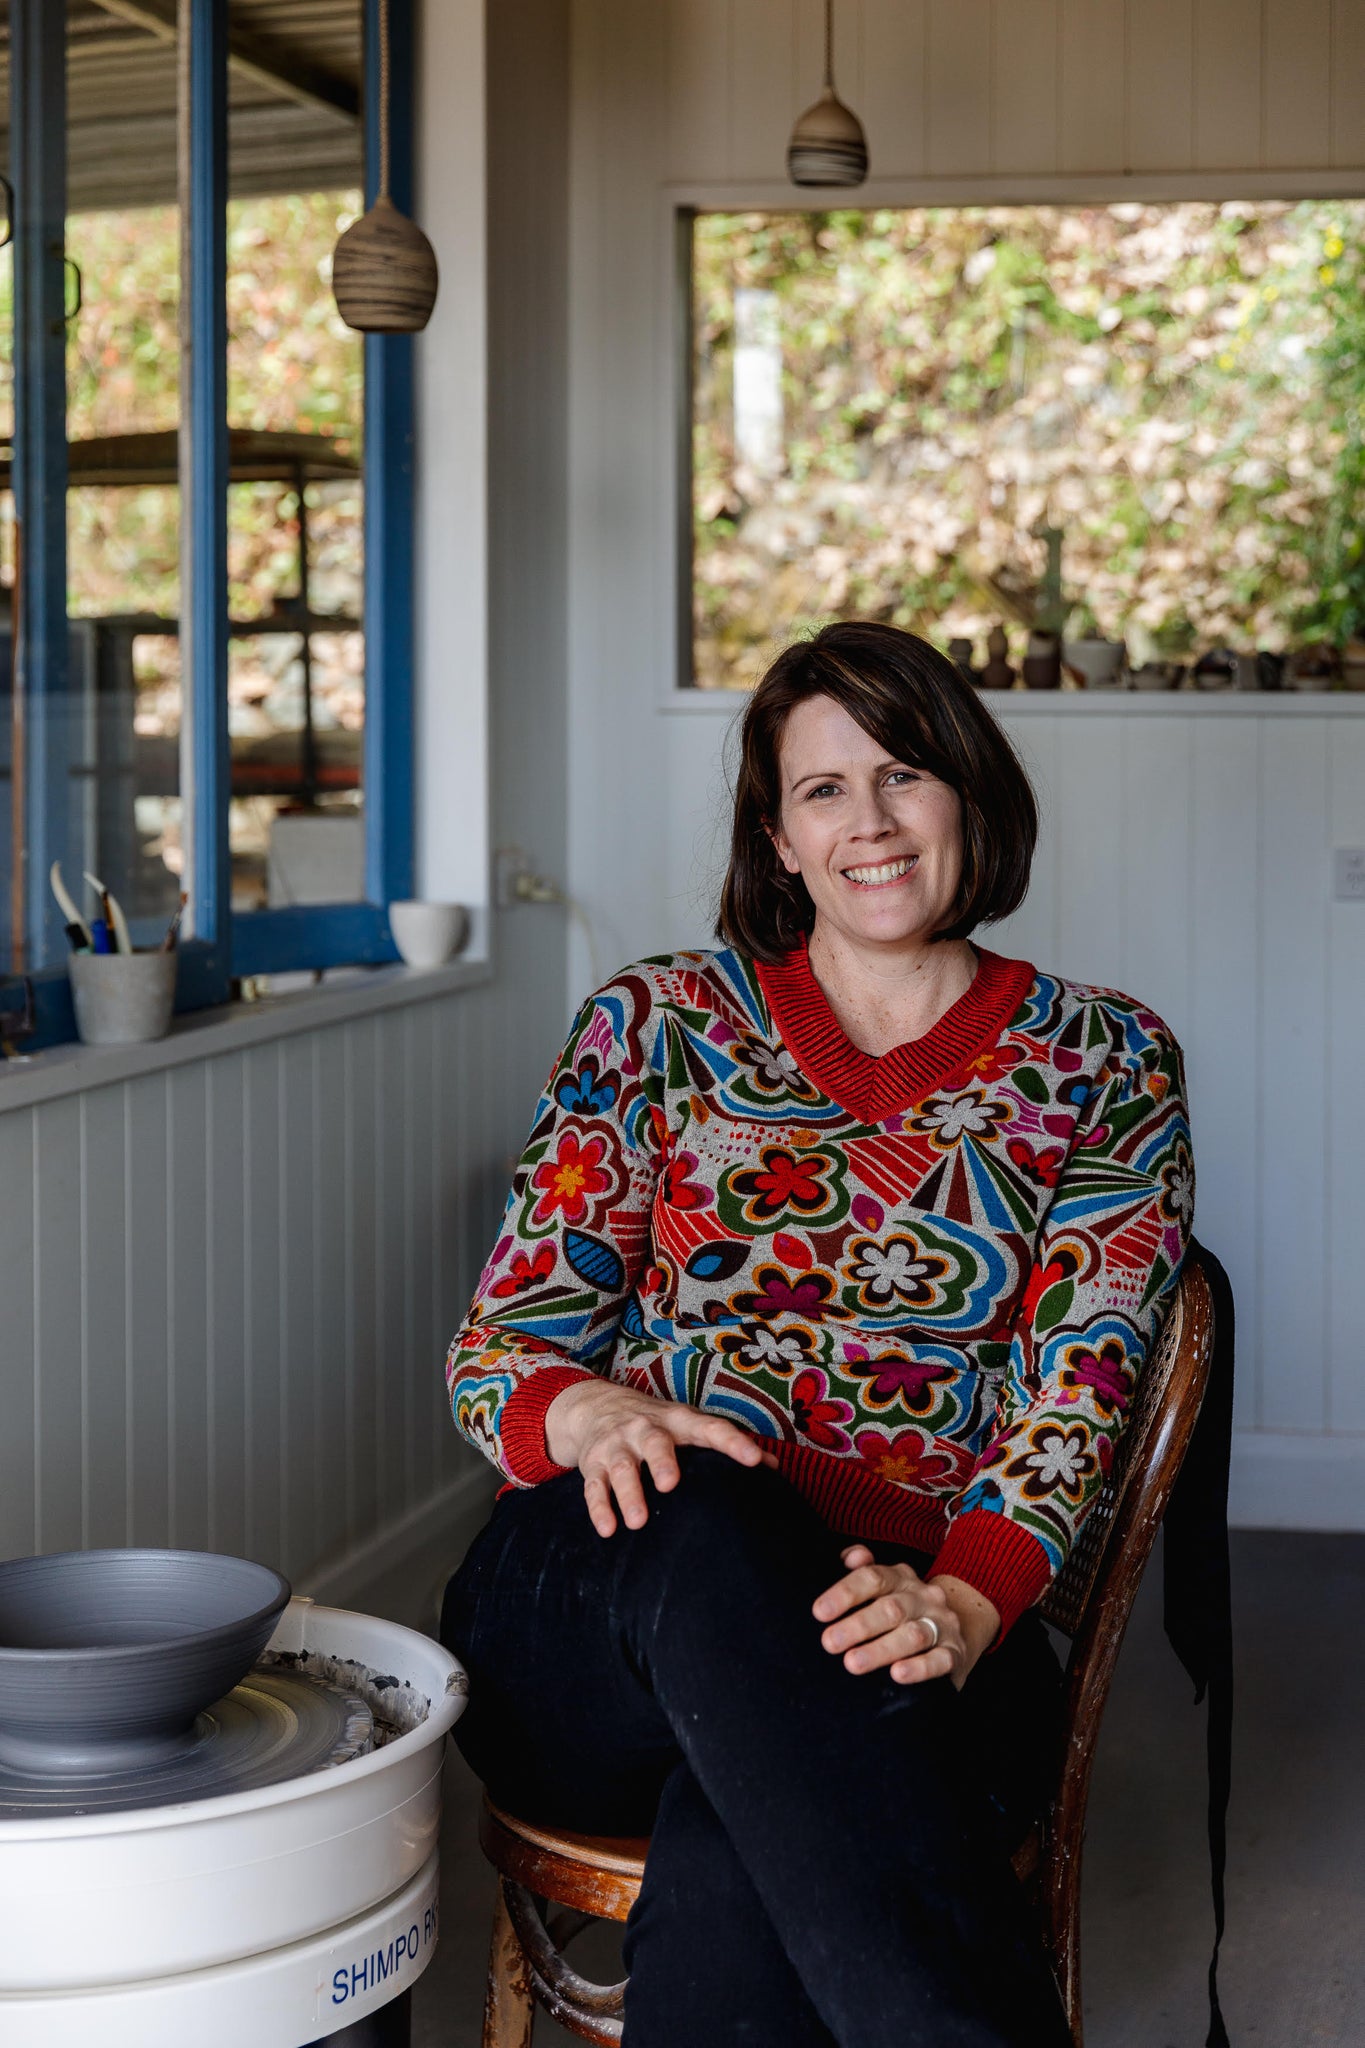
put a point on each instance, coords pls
(123, 998)
(428, 934)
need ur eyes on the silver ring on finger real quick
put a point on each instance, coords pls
(927, 1621)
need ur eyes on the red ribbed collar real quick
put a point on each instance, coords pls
(873, 1087)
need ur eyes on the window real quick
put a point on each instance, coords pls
(890, 409)
(210, 686)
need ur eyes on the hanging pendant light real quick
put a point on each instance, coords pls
(384, 268)
(827, 144)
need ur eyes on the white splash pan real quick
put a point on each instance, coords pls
(101, 1900)
(306, 1993)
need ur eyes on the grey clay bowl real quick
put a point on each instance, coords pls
(107, 1656)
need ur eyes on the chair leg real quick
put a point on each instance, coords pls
(1065, 1945)
(1071, 1989)
(509, 2009)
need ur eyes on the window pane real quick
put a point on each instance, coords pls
(890, 407)
(101, 766)
(296, 668)
(11, 853)
(111, 788)
(123, 513)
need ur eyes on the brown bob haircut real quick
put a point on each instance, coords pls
(920, 707)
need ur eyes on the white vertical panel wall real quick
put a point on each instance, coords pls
(227, 1287)
(984, 88)
(1196, 873)
(1185, 856)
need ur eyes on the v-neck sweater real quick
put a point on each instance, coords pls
(928, 1279)
(873, 1086)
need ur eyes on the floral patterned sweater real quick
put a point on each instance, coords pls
(929, 1278)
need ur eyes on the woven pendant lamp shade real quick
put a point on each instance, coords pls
(827, 144)
(384, 268)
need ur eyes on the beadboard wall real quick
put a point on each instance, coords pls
(228, 1285)
(1029, 88)
(1185, 856)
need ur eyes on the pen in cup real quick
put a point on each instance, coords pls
(113, 914)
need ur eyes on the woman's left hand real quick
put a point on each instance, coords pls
(886, 1615)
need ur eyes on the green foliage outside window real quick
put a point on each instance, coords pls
(292, 366)
(1180, 388)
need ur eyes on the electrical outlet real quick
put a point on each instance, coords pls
(511, 870)
(1348, 874)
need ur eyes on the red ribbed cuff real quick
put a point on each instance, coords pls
(856, 1502)
(1000, 1559)
(522, 1423)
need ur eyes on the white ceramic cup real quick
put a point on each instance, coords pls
(428, 934)
(122, 998)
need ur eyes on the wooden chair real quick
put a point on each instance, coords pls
(597, 1877)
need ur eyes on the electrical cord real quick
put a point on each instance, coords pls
(532, 888)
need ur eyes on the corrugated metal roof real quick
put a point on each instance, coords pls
(282, 137)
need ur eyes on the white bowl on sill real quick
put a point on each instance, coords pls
(428, 934)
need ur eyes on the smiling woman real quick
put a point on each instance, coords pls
(923, 770)
(858, 1238)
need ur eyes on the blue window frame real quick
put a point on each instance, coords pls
(225, 944)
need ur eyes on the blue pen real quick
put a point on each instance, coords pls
(99, 935)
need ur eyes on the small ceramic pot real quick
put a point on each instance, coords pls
(122, 998)
(1216, 670)
(1158, 675)
(961, 652)
(428, 934)
(1043, 662)
(1317, 667)
(1101, 662)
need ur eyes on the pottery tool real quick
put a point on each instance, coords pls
(77, 931)
(169, 943)
(117, 922)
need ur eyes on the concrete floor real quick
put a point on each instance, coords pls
(1296, 1878)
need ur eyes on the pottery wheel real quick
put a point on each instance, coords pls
(275, 1725)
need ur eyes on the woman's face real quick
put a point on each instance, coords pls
(877, 844)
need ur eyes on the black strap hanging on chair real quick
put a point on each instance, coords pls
(1197, 1592)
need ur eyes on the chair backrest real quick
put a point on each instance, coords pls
(1166, 1406)
(1092, 1597)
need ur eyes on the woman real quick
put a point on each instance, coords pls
(822, 1291)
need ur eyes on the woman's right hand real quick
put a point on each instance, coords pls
(609, 1432)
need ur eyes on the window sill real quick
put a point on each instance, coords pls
(345, 993)
(1096, 703)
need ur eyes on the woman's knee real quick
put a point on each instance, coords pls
(720, 1506)
(713, 1484)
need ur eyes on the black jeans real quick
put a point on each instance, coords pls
(830, 1853)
